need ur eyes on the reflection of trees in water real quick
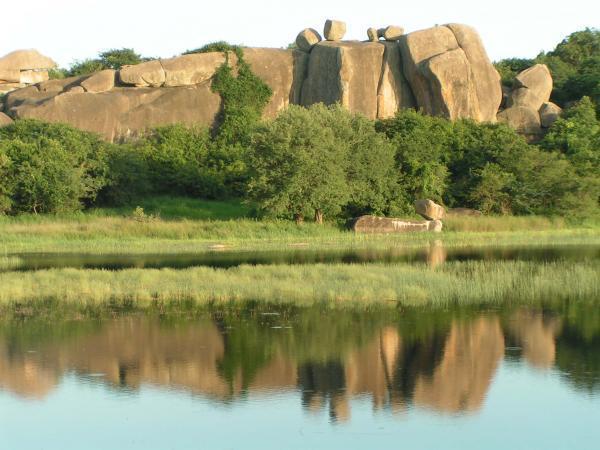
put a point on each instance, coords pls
(442, 360)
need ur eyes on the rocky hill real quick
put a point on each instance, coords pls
(444, 71)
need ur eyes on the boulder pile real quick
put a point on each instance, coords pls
(528, 107)
(22, 68)
(443, 70)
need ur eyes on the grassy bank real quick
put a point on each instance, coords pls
(462, 283)
(169, 225)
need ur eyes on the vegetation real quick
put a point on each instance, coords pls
(109, 59)
(475, 282)
(574, 64)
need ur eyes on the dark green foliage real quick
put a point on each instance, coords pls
(219, 46)
(422, 149)
(244, 97)
(49, 167)
(110, 59)
(128, 177)
(322, 160)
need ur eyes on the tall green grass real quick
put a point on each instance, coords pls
(460, 283)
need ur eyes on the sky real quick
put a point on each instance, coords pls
(69, 30)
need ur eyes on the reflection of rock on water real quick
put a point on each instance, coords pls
(448, 367)
(462, 378)
(436, 254)
(536, 334)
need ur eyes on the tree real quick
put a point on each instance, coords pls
(298, 166)
(110, 59)
(421, 146)
(49, 167)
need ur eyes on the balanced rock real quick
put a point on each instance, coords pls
(307, 38)
(146, 74)
(532, 87)
(342, 72)
(372, 34)
(524, 120)
(429, 209)
(391, 33)
(99, 82)
(4, 120)
(334, 30)
(549, 113)
(374, 224)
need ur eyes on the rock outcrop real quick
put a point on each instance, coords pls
(21, 68)
(443, 71)
(549, 113)
(450, 73)
(374, 224)
(307, 38)
(342, 72)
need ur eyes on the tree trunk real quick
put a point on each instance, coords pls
(299, 218)
(319, 216)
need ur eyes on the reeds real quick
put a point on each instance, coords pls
(461, 283)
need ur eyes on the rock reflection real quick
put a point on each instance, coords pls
(444, 363)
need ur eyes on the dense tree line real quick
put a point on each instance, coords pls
(313, 162)
(320, 161)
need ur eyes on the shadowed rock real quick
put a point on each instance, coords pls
(4, 120)
(524, 120)
(549, 113)
(394, 93)
(307, 38)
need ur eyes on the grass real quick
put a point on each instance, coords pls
(174, 225)
(461, 283)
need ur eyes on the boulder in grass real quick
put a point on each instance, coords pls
(429, 209)
(334, 30)
(374, 224)
(307, 38)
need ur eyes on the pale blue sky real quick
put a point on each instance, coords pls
(67, 30)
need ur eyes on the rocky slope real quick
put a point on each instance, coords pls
(444, 71)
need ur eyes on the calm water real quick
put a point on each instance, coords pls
(303, 379)
(435, 254)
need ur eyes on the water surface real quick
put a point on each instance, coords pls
(435, 254)
(511, 378)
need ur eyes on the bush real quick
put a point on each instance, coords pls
(322, 161)
(110, 59)
(49, 167)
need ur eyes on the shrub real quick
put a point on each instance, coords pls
(49, 167)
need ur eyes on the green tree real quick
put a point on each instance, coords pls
(49, 167)
(422, 148)
(298, 166)
(110, 59)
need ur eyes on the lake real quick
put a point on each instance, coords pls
(436, 253)
(290, 378)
